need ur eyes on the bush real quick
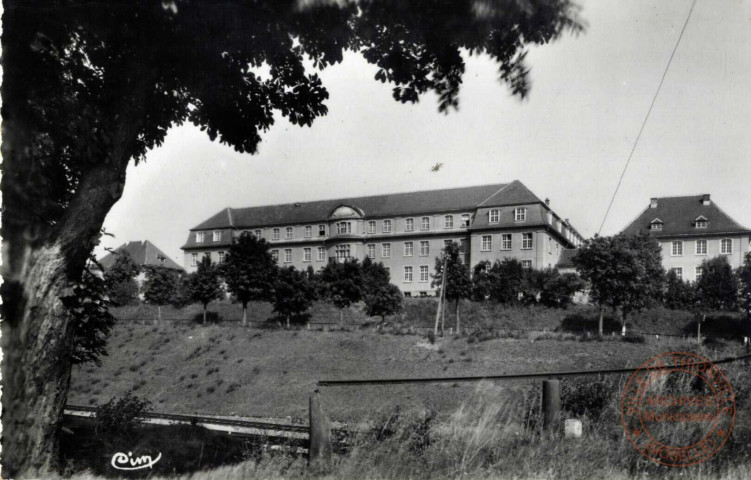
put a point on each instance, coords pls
(121, 416)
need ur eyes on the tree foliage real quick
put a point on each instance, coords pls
(679, 294)
(557, 290)
(88, 308)
(160, 285)
(458, 281)
(122, 287)
(744, 276)
(717, 289)
(343, 282)
(622, 271)
(249, 270)
(121, 416)
(205, 284)
(294, 293)
(381, 297)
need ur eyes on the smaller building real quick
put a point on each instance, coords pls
(144, 253)
(691, 229)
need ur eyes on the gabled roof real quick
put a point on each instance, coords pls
(376, 206)
(143, 253)
(678, 216)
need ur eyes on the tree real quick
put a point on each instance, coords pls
(557, 290)
(622, 272)
(249, 271)
(481, 281)
(293, 293)
(120, 279)
(159, 287)
(717, 289)
(89, 87)
(343, 282)
(458, 283)
(204, 284)
(381, 297)
(506, 280)
(744, 276)
(679, 294)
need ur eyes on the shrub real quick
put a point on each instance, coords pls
(121, 416)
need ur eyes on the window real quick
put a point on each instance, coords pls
(217, 236)
(699, 271)
(307, 254)
(342, 252)
(387, 226)
(321, 254)
(407, 274)
(194, 259)
(344, 227)
(448, 221)
(221, 257)
(275, 255)
(678, 272)
(486, 241)
(425, 223)
(207, 255)
(288, 234)
(526, 241)
(677, 249)
(655, 225)
(257, 233)
(701, 222)
(447, 243)
(371, 250)
(409, 224)
(424, 275)
(386, 250)
(199, 237)
(506, 241)
(520, 214)
(321, 230)
(308, 231)
(495, 216)
(371, 226)
(726, 246)
(275, 235)
(526, 263)
(701, 247)
(424, 248)
(465, 220)
(287, 255)
(408, 249)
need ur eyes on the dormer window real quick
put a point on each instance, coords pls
(656, 225)
(495, 216)
(217, 235)
(199, 237)
(701, 222)
(520, 214)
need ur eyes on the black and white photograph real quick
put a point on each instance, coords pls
(376, 239)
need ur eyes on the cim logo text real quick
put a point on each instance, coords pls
(122, 461)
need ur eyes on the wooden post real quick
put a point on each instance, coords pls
(319, 446)
(551, 405)
(440, 297)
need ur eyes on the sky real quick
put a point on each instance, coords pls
(569, 141)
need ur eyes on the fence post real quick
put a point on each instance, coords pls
(551, 405)
(319, 447)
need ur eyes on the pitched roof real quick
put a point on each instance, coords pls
(143, 253)
(395, 204)
(678, 215)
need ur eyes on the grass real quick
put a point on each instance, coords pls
(487, 437)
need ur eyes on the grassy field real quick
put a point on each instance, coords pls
(232, 370)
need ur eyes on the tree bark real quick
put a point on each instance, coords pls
(341, 318)
(245, 314)
(158, 314)
(37, 337)
(204, 313)
(458, 332)
(602, 320)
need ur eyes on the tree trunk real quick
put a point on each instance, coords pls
(443, 317)
(341, 318)
(602, 319)
(245, 314)
(37, 336)
(158, 314)
(287, 321)
(204, 313)
(458, 332)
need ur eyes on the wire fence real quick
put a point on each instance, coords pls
(517, 376)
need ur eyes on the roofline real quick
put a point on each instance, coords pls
(704, 234)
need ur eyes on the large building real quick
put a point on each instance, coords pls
(690, 230)
(404, 231)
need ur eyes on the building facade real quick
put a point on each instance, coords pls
(690, 230)
(404, 231)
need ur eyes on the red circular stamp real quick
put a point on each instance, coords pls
(678, 409)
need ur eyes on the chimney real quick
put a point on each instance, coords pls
(705, 199)
(547, 202)
(653, 202)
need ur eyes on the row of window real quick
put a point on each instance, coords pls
(700, 222)
(506, 242)
(194, 257)
(679, 272)
(726, 247)
(520, 215)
